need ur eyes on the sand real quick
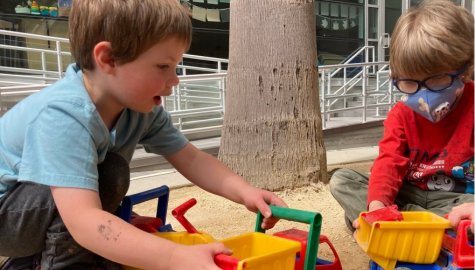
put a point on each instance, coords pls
(222, 218)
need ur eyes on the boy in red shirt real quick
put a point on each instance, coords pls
(425, 157)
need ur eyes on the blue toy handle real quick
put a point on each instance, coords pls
(161, 193)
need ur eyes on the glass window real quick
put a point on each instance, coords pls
(335, 12)
(392, 12)
(373, 23)
(340, 28)
(8, 6)
(417, 2)
(353, 12)
(324, 9)
(344, 11)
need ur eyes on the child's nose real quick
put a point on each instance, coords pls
(174, 80)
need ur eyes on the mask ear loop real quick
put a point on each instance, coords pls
(462, 73)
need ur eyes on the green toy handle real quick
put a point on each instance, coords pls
(312, 218)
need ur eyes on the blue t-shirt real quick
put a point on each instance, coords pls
(56, 137)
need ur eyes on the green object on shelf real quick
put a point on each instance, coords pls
(312, 218)
(35, 8)
(22, 10)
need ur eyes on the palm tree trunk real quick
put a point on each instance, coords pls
(272, 132)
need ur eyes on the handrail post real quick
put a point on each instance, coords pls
(391, 97)
(377, 91)
(178, 106)
(344, 88)
(183, 69)
(323, 102)
(2, 109)
(43, 65)
(222, 93)
(365, 77)
(60, 62)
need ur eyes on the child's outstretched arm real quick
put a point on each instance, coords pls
(112, 238)
(210, 174)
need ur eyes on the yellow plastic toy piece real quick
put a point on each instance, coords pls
(259, 251)
(183, 238)
(415, 239)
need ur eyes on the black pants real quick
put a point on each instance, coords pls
(30, 223)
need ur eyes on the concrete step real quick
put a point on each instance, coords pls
(355, 158)
(143, 161)
(342, 135)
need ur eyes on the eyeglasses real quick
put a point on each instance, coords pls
(435, 83)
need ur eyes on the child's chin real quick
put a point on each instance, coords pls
(157, 100)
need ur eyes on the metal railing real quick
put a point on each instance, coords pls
(350, 75)
(367, 93)
(197, 103)
(47, 56)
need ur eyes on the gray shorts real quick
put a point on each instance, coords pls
(350, 189)
(30, 223)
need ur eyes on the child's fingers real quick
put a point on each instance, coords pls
(268, 199)
(263, 207)
(274, 200)
(455, 217)
(220, 248)
(268, 223)
(463, 211)
(355, 224)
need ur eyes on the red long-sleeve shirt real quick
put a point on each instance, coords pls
(432, 156)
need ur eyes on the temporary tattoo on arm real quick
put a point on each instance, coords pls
(107, 232)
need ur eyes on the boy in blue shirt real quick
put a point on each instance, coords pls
(64, 152)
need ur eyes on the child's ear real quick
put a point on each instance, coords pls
(102, 54)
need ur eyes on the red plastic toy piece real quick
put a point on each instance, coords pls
(179, 214)
(336, 265)
(226, 262)
(222, 261)
(389, 213)
(460, 247)
(148, 224)
(302, 236)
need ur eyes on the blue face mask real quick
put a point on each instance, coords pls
(434, 105)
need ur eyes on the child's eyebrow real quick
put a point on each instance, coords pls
(171, 58)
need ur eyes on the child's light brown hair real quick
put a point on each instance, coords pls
(433, 38)
(131, 26)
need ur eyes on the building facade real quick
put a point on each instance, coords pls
(343, 27)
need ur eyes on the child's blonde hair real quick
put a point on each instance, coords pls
(433, 38)
(131, 26)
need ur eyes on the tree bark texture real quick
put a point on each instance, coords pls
(272, 131)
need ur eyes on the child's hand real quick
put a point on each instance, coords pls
(459, 212)
(199, 257)
(258, 199)
(373, 206)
